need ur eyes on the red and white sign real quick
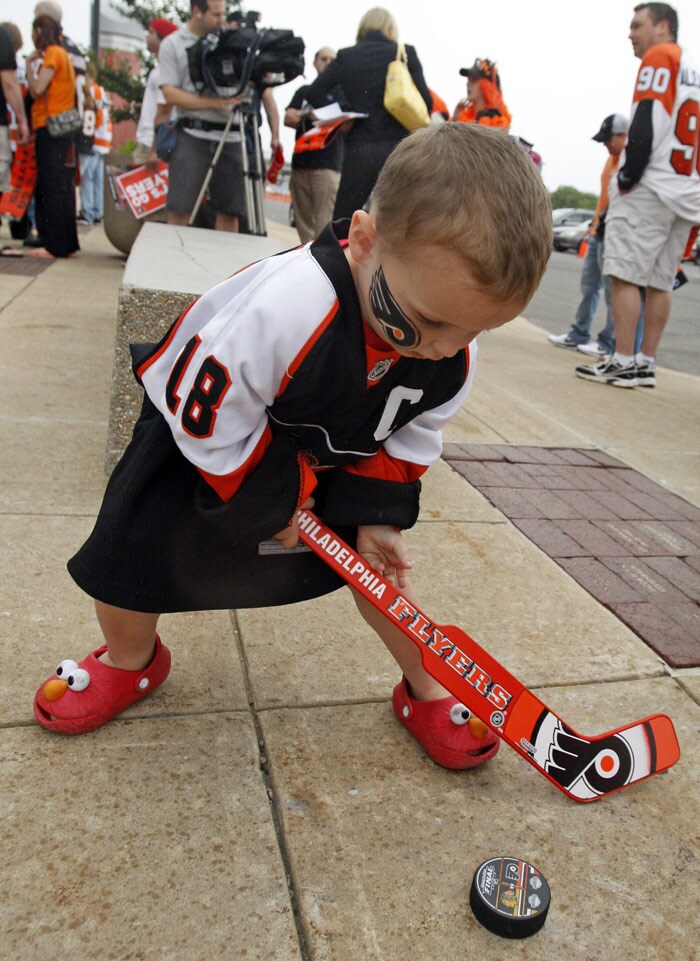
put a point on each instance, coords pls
(144, 190)
(23, 177)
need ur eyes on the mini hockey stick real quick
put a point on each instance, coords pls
(584, 768)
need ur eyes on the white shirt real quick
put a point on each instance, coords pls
(152, 97)
(174, 71)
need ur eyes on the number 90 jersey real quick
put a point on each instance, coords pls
(666, 122)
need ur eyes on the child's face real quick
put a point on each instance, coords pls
(425, 304)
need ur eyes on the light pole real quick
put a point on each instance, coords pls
(95, 26)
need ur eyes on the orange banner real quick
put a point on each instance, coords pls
(23, 178)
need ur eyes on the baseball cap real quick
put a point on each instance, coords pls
(615, 123)
(482, 69)
(163, 27)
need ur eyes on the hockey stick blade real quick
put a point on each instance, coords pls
(584, 768)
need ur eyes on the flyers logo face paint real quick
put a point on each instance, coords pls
(398, 328)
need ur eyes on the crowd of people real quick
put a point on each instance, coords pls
(648, 212)
(334, 168)
(59, 126)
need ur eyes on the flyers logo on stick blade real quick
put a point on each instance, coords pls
(588, 769)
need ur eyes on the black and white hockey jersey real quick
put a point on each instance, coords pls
(266, 388)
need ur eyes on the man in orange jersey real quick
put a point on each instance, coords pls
(655, 199)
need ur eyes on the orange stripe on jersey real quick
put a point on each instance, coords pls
(658, 75)
(383, 466)
(692, 237)
(226, 485)
(305, 350)
(141, 370)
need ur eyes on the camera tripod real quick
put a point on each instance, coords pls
(251, 161)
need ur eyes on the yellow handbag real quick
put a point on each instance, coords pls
(402, 98)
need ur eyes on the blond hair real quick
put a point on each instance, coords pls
(472, 190)
(378, 19)
(13, 32)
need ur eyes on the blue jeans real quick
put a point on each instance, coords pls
(592, 280)
(92, 186)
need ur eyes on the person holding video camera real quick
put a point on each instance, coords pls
(201, 122)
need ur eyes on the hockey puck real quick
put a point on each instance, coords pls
(509, 897)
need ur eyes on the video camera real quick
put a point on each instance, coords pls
(249, 19)
(227, 61)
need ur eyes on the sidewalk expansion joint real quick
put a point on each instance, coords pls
(631, 543)
(275, 808)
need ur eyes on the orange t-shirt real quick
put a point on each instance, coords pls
(60, 95)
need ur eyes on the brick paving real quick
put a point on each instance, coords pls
(23, 266)
(628, 541)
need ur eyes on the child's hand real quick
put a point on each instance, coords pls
(289, 537)
(385, 549)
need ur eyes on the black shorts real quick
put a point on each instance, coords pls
(153, 549)
(189, 164)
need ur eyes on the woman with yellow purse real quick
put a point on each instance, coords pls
(361, 72)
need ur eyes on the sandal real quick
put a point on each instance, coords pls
(81, 697)
(446, 730)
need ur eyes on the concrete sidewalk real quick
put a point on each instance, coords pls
(265, 804)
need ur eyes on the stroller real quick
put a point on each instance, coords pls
(243, 63)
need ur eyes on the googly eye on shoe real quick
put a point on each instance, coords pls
(459, 714)
(65, 668)
(78, 679)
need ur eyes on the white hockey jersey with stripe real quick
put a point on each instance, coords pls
(663, 149)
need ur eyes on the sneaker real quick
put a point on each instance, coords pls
(593, 349)
(609, 372)
(562, 340)
(646, 375)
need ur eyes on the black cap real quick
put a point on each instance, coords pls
(482, 69)
(615, 123)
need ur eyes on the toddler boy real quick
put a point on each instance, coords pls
(321, 376)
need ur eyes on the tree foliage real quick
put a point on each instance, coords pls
(116, 75)
(566, 196)
(146, 10)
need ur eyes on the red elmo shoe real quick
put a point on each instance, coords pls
(80, 697)
(448, 733)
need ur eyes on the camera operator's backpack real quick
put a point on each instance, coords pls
(225, 62)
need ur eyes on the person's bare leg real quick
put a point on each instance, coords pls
(177, 219)
(129, 636)
(402, 649)
(225, 222)
(626, 306)
(657, 312)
